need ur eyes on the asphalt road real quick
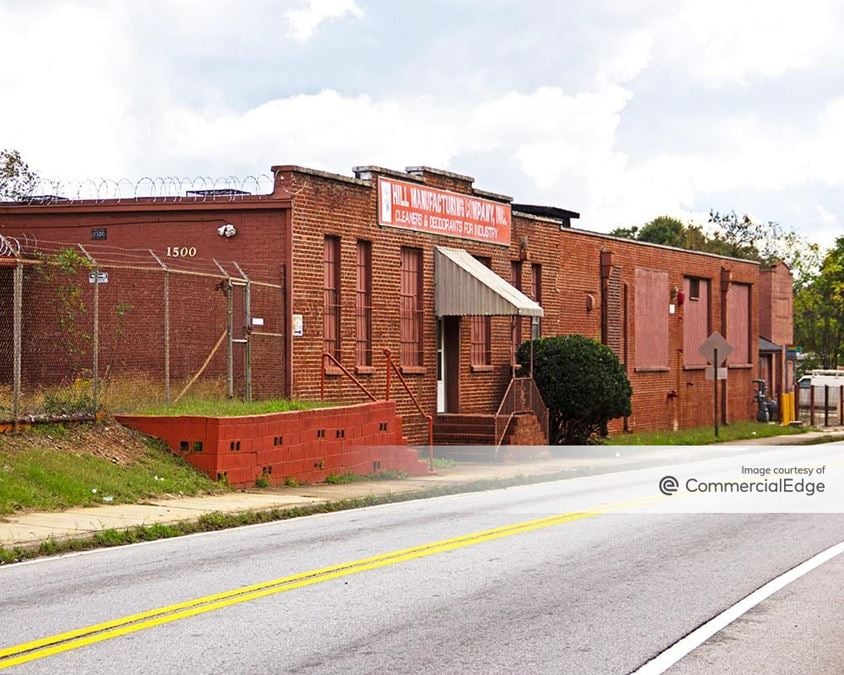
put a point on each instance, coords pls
(600, 590)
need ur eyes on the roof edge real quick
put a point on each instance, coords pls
(604, 235)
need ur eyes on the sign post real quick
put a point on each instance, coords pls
(715, 365)
(715, 349)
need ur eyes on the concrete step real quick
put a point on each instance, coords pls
(463, 438)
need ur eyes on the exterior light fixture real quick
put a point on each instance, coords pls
(228, 230)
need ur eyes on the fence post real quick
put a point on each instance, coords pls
(841, 405)
(95, 348)
(16, 348)
(167, 336)
(166, 326)
(229, 329)
(826, 405)
(167, 398)
(811, 405)
(247, 347)
(230, 337)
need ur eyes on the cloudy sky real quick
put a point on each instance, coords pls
(619, 110)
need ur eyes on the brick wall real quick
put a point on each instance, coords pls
(304, 445)
(652, 407)
(776, 320)
(325, 205)
(58, 340)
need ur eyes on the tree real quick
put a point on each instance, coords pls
(736, 236)
(17, 180)
(582, 382)
(766, 242)
(819, 310)
(663, 230)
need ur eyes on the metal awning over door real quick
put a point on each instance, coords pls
(464, 286)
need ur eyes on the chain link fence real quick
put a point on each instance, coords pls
(92, 328)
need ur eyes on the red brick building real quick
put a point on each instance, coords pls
(445, 276)
(776, 329)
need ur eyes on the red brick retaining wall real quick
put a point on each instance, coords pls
(305, 445)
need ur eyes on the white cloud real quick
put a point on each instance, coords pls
(303, 21)
(63, 97)
(560, 144)
(826, 217)
(631, 56)
(728, 42)
(94, 95)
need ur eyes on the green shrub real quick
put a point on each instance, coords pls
(583, 384)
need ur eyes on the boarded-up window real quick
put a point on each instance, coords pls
(363, 305)
(331, 297)
(410, 307)
(651, 319)
(482, 334)
(738, 323)
(696, 320)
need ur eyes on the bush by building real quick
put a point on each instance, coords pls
(582, 382)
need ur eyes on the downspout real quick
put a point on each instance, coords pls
(626, 337)
(287, 281)
(606, 270)
(726, 280)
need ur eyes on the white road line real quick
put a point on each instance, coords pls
(662, 662)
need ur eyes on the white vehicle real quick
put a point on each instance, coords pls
(820, 379)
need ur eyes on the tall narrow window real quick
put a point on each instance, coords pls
(696, 320)
(516, 280)
(331, 297)
(410, 308)
(363, 305)
(536, 294)
(482, 334)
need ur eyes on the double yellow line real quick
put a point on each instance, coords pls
(82, 637)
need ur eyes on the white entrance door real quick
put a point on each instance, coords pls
(440, 368)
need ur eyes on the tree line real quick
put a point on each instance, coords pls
(818, 275)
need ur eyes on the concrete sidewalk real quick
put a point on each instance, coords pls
(30, 529)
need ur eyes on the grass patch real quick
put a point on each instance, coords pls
(212, 522)
(42, 478)
(735, 431)
(228, 407)
(444, 463)
(349, 477)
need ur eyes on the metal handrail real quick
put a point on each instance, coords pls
(391, 367)
(537, 404)
(499, 438)
(509, 407)
(345, 371)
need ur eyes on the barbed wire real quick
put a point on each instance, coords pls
(159, 189)
(103, 255)
(9, 247)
